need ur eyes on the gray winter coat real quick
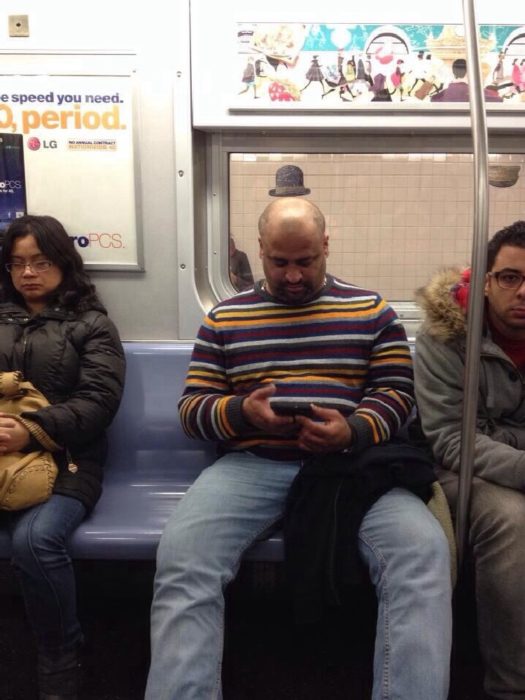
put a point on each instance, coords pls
(439, 368)
(75, 358)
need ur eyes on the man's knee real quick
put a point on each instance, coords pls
(421, 557)
(428, 545)
(191, 542)
(497, 516)
(179, 542)
(413, 543)
(418, 529)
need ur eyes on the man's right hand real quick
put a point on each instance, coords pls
(258, 412)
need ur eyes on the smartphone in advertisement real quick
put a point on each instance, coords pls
(12, 179)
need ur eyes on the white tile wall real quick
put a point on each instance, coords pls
(393, 219)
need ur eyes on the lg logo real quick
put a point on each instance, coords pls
(34, 144)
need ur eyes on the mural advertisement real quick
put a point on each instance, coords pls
(77, 136)
(344, 65)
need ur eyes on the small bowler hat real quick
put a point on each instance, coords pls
(289, 182)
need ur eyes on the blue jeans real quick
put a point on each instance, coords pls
(39, 542)
(231, 504)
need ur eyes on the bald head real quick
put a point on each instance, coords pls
(293, 249)
(290, 214)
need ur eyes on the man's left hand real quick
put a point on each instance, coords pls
(327, 432)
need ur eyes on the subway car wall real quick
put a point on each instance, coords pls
(394, 178)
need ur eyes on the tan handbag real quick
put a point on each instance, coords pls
(25, 479)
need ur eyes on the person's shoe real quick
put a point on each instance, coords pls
(59, 675)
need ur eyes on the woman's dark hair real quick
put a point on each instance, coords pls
(75, 288)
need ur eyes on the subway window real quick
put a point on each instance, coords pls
(392, 218)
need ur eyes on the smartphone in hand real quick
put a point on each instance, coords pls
(291, 408)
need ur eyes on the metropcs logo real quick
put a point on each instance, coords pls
(98, 240)
(10, 184)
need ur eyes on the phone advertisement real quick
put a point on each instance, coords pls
(79, 158)
(12, 179)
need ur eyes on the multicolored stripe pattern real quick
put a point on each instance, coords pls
(345, 348)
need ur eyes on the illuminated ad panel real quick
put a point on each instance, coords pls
(327, 65)
(75, 135)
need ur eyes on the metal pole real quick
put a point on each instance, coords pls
(477, 280)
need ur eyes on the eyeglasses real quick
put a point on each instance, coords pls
(17, 268)
(508, 279)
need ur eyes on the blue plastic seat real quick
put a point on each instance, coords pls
(151, 463)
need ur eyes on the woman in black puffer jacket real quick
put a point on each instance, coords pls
(55, 331)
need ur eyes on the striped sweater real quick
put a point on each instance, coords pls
(345, 348)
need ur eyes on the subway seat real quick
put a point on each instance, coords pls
(150, 465)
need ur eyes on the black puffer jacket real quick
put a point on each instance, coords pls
(75, 358)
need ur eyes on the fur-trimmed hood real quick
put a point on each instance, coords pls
(445, 319)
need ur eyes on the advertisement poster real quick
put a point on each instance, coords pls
(347, 65)
(77, 135)
(12, 179)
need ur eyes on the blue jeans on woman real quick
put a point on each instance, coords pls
(39, 538)
(234, 502)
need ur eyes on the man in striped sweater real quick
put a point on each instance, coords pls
(298, 337)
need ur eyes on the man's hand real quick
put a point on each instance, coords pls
(257, 410)
(235, 279)
(330, 431)
(13, 435)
